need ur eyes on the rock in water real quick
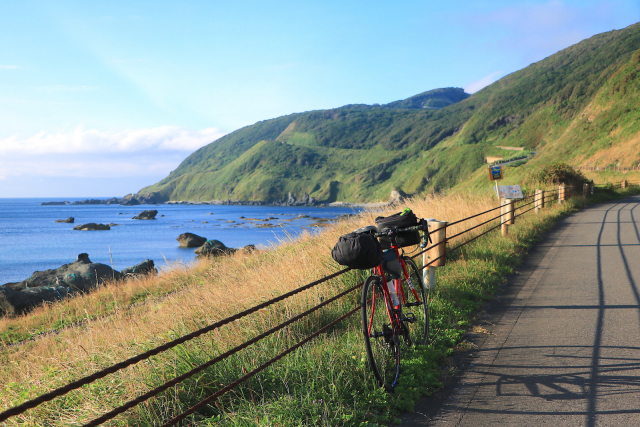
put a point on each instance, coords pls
(147, 215)
(80, 276)
(92, 226)
(69, 220)
(190, 240)
(213, 248)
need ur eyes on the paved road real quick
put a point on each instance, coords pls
(565, 346)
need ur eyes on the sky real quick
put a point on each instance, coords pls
(102, 98)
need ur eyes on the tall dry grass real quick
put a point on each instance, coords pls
(121, 320)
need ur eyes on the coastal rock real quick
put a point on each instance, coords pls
(6, 309)
(213, 248)
(146, 267)
(292, 200)
(89, 202)
(92, 226)
(80, 276)
(54, 203)
(190, 240)
(307, 200)
(151, 214)
(397, 196)
(52, 285)
(148, 199)
(69, 220)
(130, 202)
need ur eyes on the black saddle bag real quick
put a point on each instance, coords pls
(358, 250)
(399, 220)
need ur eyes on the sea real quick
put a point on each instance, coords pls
(31, 240)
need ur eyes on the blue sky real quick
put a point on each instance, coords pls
(102, 98)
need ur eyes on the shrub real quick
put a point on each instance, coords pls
(561, 173)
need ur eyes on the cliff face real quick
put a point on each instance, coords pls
(577, 106)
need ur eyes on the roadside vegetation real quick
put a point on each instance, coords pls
(326, 382)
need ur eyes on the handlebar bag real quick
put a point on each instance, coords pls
(358, 250)
(399, 220)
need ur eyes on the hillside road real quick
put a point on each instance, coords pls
(561, 345)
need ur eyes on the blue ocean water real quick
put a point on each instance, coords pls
(31, 240)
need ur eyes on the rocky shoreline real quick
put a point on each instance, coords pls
(83, 276)
(291, 200)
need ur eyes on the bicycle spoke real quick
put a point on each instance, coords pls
(415, 318)
(380, 335)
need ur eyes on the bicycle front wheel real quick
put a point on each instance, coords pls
(380, 334)
(415, 308)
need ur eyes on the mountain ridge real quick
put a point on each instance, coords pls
(361, 153)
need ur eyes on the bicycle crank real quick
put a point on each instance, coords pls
(409, 317)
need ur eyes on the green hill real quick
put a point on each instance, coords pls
(578, 106)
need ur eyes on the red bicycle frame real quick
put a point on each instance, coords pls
(378, 270)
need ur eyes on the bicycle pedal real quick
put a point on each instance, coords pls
(409, 317)
(386, 332)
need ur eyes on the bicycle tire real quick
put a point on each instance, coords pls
(383, 343)
(415, 310)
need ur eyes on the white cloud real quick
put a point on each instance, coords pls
(91, 162)
(90, 166)
(9, 67)
(475, 86)
(165, 138)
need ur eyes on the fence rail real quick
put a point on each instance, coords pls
(609, 168)
(527, 202)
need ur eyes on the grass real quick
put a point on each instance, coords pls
(326, 382)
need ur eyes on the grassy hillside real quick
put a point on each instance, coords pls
(577, 106)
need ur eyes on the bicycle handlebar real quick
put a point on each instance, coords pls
(392, 232)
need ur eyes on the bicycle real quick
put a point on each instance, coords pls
(387, 330)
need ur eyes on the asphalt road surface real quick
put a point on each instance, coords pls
(561, 345)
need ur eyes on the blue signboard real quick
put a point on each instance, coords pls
(495, 173)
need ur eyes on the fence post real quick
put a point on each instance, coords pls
(507, 213)
(512, 211)
(562, 193)
(539, 198)
(437, 252)
(623, 184)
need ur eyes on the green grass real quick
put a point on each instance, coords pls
(327, 382)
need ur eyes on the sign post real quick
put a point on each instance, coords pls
(495, 174)
(510, 192)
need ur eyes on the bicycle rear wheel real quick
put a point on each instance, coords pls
(380, 335)
(415, 308)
